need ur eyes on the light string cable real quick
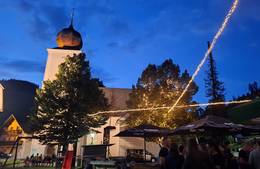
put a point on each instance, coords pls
(218, 34)
(164, 107)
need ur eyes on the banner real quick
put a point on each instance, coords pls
(67, 160)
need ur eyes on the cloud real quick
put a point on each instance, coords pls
(113, 44)
(5, 74)
(118, 27)
(25, 5)
(102, 15)
(91, 8)
(43, 19)
(22, 66)
(249, 9)
(130, 45)
(39, 29)
(91, 52)
(133, 44)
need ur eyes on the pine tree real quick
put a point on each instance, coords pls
(161, 86)
(215, 90)
(65, 104)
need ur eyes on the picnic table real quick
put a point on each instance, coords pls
(103, 164)
(146, 166)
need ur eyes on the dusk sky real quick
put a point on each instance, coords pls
(121, 37)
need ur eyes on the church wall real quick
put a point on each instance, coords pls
(55, 58)
(25, 148)
(117, 98)
(121, 144)
(37, 147)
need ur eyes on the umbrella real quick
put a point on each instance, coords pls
(144, 131)
(214, 124)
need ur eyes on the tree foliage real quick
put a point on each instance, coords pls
(253, 92)
(65, 104)
(161, 86)
(215, 90)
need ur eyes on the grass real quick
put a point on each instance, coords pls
(8, 167)
(39, 167)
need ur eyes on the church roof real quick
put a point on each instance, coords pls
(69, 38)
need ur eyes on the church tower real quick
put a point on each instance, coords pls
(69, 42)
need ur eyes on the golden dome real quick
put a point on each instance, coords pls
(68, 38)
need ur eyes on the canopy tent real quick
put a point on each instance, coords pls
(215, 125)
(144, 131)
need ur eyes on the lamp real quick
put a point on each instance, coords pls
(92, 135)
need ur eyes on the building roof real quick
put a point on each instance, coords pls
(9, 120)
(18, 101)
(245, 112)
(1, 86)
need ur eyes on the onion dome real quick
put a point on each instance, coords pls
(69, 38)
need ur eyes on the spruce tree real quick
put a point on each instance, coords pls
(215, 90)
(161, 85)
(65, 104)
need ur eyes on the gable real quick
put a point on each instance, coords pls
(11, 124)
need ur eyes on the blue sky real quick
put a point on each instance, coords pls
(122, 37)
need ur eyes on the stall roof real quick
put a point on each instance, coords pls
(245, 112)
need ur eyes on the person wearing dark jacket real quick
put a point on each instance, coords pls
(196, 159)
(230, 160)
(216, 156)
(174, 160)
(164, 152)
(243, 157)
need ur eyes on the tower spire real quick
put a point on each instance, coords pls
(71, 18)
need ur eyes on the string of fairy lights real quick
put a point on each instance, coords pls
(175, 105)
(168, 107)
(216, 37)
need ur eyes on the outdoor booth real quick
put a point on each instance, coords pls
(96, 157)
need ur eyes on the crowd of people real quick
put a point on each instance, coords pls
(208, 155)
(39, 160)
